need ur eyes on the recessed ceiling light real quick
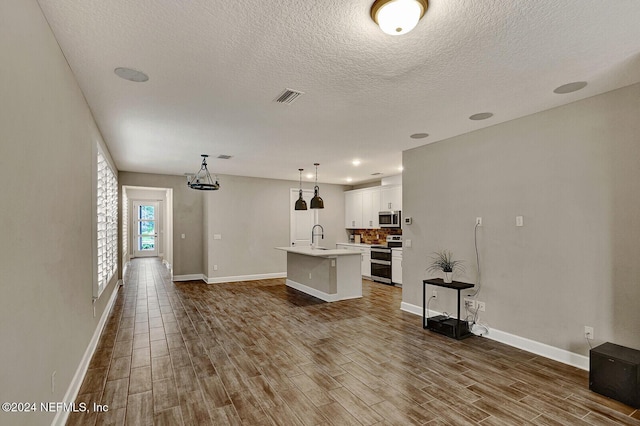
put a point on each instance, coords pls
(481, 116)
(131, 75)
(356, 162)
(570, 87)
(349, 179)
(309, 175)
(401, 168)
(419, 135)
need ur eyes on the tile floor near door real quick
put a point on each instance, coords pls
(260, 353)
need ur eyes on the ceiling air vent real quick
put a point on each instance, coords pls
(224, 156)
(288, 96)
(376, 174)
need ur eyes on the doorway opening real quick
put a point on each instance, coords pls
(301, 221)
(147, 223)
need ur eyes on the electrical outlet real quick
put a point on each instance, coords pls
(215, 267)
(469, 303)
(479, 221)
(434, 294)
(480, 306)
(588, 332)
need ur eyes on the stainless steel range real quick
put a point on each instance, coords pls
(381, 259)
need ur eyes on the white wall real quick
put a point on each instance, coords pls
(47, 156)
(573, 173)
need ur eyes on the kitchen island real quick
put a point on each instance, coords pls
(328, 274)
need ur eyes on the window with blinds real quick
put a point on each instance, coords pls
(107, 196)
(125, 223)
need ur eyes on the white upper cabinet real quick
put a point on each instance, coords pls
(370, 207)
(391, 198)
(353, 209)
(361, 208)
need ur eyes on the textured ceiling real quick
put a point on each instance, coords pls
(215, 68)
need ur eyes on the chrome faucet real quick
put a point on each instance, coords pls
(313, 234)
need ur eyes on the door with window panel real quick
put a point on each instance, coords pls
(145, 228)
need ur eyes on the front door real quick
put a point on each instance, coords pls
(145, 222)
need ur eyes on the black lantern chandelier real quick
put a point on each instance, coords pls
(301, 204)
(316, 201)
(202, 179)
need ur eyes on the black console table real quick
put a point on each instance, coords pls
(452, 327)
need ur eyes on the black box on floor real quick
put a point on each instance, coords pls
(614, 371)
(448, 326)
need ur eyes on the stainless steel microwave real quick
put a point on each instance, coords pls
(389, 219)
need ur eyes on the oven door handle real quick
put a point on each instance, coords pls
(381, 262)
(381, 250)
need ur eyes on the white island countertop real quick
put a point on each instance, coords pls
(319, 252)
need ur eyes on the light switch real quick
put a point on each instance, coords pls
(182, 236)
(519, 221)
(217, 236)
(407, 243)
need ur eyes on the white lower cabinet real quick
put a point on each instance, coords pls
(396, 266)
(366, 263)
(365, 256)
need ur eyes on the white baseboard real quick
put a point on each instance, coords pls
(74, 387)
(190, 277)
(538, 348)
(233, 279)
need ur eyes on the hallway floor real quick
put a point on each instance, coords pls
(258, 352)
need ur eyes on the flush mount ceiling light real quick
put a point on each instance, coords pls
(131, 75)
(356, 162)
(202, 179)
(397, 17)
(316, 201)
(301, 204)
(570, 87)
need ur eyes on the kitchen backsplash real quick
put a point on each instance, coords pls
(376, 236)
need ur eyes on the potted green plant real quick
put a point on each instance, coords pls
(443, 261)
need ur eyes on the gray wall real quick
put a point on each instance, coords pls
(47, 140)
(573, 173)
(187, 218)
(324, 276)
(252, 216)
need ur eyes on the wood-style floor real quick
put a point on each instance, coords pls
(260, 353)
